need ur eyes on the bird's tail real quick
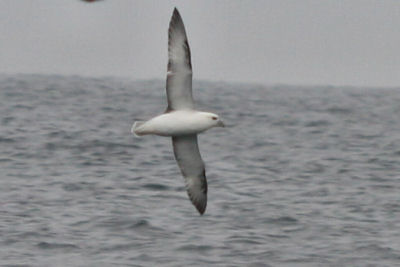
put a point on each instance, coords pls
(136, 128)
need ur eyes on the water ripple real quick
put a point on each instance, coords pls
(305, 176)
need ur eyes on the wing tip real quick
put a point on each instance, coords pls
(175, 13)
(178, 43)
(201, 210)
(198, 196)
(200, 205)
(176, 21)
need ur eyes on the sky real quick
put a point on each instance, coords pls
(308, 42)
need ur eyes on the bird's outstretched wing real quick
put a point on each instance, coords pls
(189, 160)
(179, 77)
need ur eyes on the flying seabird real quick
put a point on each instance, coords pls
(180, 120)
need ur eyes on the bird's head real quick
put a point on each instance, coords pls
(213, 119)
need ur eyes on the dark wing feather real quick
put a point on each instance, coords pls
(179, 77)
(189, 160)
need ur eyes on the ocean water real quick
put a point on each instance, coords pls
(302, 176)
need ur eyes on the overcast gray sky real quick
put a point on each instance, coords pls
(333, 42)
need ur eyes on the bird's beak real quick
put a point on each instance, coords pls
(220, 124)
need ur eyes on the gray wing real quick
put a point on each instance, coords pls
(187, 155)
(179, 77)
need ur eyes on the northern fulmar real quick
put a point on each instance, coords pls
(180, 120)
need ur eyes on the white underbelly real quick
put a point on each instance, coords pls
(176, 123)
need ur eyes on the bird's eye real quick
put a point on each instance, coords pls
(214, 118)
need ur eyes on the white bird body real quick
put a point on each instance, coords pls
(177, 123)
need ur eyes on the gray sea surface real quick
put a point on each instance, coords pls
(302, 176)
